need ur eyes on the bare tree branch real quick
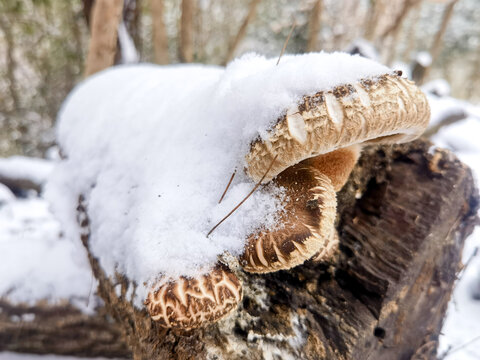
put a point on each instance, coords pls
(242, 31)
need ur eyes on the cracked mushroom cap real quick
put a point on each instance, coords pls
(385, 110)
(189, 303)
(316, 145)
(307, 223)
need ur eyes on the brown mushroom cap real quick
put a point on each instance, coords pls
(193, 302)
(307, 223)
(388, 109)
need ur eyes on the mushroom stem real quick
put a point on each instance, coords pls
(337, 165)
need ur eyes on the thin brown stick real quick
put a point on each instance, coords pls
(228, 185)
(245, 198)
(286, 42)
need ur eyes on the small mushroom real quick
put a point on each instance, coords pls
(188, 303)
(315, 147)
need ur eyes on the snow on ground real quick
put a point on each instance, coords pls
(20, 167)
(154, 158)
(461, 330)
(36, 263)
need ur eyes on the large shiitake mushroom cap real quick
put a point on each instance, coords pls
(306, 223)
(388, 109)
(188, 303)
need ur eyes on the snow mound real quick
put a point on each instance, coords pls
(35, 262)
(152, 148)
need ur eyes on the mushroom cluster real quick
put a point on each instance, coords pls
(311, 152)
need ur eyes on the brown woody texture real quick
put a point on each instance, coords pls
(403, 217)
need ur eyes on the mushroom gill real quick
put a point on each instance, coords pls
(316, 145)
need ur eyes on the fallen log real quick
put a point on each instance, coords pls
(402, 219)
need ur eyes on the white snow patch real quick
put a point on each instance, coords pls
(20, 167)
(438, 87)
(364, 48)
(460, 334)
(6, 194)
(35, 262)
(424, 58)
(127, 47)
(152, 149)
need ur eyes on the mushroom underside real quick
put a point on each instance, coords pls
(313, 149)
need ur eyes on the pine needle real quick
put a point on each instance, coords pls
(228, 185)
(286, 41)
(245, 198)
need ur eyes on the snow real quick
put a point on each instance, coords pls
(461, 330)
(6, 194)
(20, 167)
(424, 58)
(152, 149)
(36, 263)
(438, 87)
(127, 47)
(364, 48)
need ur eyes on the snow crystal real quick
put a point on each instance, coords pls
(152, 149)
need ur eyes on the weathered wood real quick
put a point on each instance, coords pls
(403, 217)
(59, 329)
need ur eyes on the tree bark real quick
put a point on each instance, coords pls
(403, 217)
(314, 26)
(160, 40)
(242, 31)
(106, 15)
(186, 31)
(59, 329)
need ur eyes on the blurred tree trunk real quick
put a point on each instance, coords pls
(377, 8)
(185, 50)
(5, 27)
(314, 26)
(160, 39)
(384, 296)
(438, 39)
(411, 33)
(242, 31)
(395, 29)
(105, 18)
(131, 17)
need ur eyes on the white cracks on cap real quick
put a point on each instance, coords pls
(296, 125)
(335, 109)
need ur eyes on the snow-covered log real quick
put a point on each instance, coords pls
(383, 297)
(143, 173)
